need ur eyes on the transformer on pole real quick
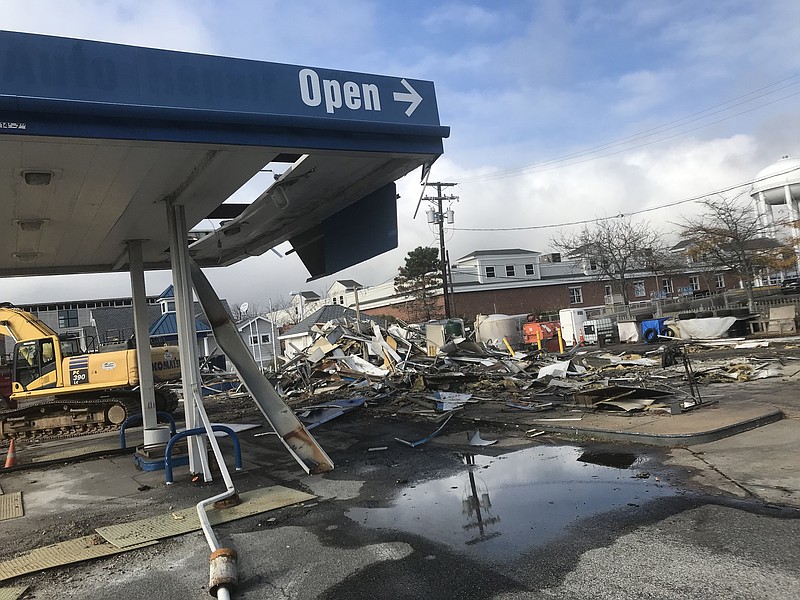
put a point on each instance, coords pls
(437, 216)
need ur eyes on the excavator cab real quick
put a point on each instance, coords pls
(35, 364)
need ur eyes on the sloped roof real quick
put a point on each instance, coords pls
(759, 243)
(242, 324)
(499, 252)
(682, 245)
(309, 295)
(119, 319)
(349, 284)
(167, 324)
(323, 315)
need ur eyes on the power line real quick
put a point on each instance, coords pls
(632, 213)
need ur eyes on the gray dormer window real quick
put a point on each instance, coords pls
(489, 271)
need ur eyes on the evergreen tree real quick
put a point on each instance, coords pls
(421, 279)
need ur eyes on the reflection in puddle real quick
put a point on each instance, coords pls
(500, 506)
(477, 506)
(619, 460)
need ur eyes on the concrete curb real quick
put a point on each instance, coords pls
(665, 439)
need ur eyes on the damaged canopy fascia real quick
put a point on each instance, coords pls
(145, 126)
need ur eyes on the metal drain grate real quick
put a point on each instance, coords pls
(13, 593)
(11, 506)
(58, 555)
(186, 520)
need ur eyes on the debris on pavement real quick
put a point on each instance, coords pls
(397, 371)
(313, 416)
(428, 438)
(476, 440)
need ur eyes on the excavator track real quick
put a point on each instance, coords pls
(58, 418)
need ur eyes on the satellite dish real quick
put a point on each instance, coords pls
(243, 308)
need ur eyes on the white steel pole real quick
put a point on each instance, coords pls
(142, 333)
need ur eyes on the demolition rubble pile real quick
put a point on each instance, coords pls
(397, 369)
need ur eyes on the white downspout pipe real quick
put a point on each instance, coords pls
(223, 578)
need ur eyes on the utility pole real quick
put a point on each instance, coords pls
(437, 216)
(358, 309)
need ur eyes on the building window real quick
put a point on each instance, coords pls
(575, 295)
(592, 264)
(694, 281)
(529, 270)
(638, 289)
(666, 285)
(254, 340)
(510, 271)
(334, 299)
(67, 318)
(490, 271)
(265, 338)
(608, 291)
(341, 300)
(720, 280)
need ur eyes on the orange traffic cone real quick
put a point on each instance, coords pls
(11, 457)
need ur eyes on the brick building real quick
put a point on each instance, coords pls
(517, 281)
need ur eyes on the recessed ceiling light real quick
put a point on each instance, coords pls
(37, 177)
(27, 256)
(31, 224)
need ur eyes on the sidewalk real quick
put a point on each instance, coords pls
(706, 423)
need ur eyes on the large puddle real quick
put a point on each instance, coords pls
(499, 506)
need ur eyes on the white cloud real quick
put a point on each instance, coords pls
(643, 90)
(648, 178)
(169, 24)
(519, 84)
(456, 17)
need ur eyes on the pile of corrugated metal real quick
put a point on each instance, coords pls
(432, 372)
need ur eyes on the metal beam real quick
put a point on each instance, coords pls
(301, 445)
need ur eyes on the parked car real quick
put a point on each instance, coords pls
(790, 286)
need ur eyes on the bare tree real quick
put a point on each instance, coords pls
(729, 235)
(283, 311)
(616, 250)
(251, 310)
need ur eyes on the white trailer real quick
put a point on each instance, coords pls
(572, 320)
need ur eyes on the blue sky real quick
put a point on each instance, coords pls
(654, 101)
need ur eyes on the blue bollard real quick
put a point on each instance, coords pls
(237, 449)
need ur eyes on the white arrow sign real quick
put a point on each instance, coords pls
(412, 97)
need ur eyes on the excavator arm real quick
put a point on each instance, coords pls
(22, 325)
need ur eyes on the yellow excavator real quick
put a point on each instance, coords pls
(53, 389)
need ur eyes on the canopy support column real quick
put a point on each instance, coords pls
(153, 434)
(187, 336)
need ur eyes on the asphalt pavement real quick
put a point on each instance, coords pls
(601, 508)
